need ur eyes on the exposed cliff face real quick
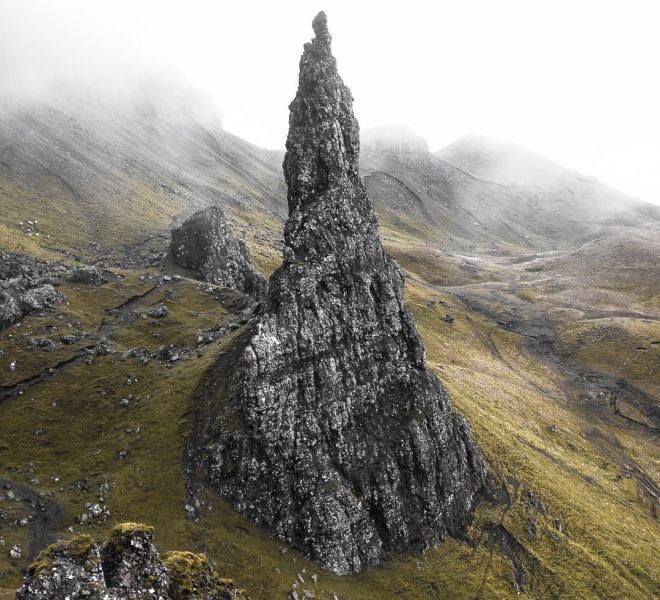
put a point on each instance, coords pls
(335, 436)
(205, 245)
(125, 567)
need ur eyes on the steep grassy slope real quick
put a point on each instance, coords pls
(120, 175)
(567, 517)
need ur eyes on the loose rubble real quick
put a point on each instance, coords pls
(27, 285)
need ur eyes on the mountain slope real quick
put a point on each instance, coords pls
(121, 173)
(465, 211)
(549, 344)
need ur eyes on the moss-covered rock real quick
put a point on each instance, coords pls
(126, 566)
(132, 563)
(67, 569)
(192, 577)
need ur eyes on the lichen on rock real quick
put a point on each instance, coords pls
(334, 435)
(126, 567)
(205, 246)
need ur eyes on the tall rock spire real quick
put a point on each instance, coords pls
(333, 434)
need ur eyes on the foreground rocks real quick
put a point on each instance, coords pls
(125, 567)
(205, 245)
(27, 285)
(334, 435)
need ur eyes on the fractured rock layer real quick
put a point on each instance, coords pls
(205, 245)
(126, 567)
(334, 435)
(26, 286)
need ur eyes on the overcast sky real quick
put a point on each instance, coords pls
(575, 80)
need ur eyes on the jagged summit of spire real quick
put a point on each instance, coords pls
(320, 25)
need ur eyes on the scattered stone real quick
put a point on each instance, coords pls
(88, 275)
(68, 339)
(448, 319)
(47, 344)
(15, 552)
(158, 312)
(26, 286)
(101, 348)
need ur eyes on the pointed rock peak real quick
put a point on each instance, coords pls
(320, 25)
(323, 144)
(333, 433)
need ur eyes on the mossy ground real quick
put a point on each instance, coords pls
(594, 535)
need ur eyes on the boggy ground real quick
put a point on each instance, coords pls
(533, 355)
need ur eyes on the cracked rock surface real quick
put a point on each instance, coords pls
(205, 245)
(334, 435)
(126, 567)
(26, 286)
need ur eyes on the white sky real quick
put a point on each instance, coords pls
(575, 80)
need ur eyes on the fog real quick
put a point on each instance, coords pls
(574, 81)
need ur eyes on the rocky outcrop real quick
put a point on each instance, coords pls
(205, 246)
(125, 567)
(89, 275)
(333, 434)
(26, 286)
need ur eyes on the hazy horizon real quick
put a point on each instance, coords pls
(570, 82)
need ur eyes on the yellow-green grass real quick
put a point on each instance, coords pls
(69, 224)
(622, 347)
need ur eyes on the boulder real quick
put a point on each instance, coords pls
(205, 246)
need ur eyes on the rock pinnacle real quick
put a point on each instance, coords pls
(333, 434)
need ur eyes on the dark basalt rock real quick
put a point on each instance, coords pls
(26, 286)
(89, 275)
(205, 246)
(126, 567)
(333, 434)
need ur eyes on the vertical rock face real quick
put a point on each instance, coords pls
(334, 435)
(205, 245)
